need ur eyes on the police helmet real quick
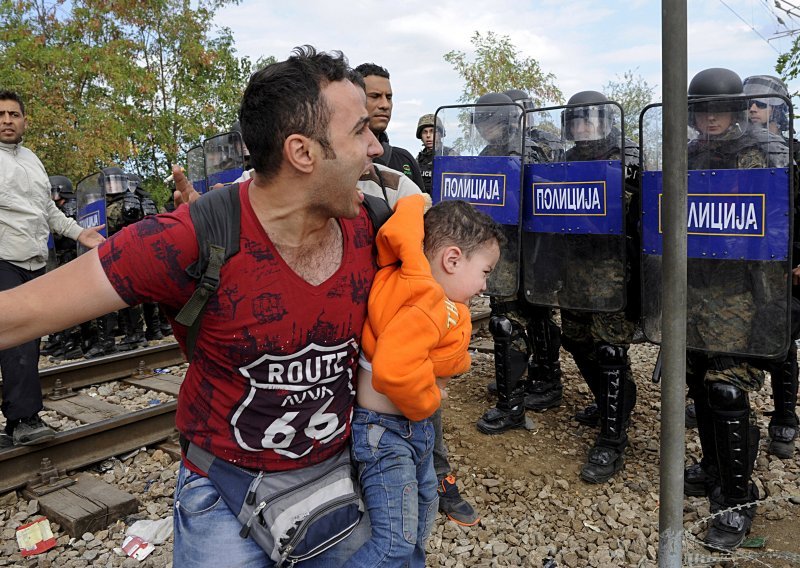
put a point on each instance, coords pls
(485, 116)
(113, 180)
(717, 82)
(757, 86)
(521, 97)
(61, 188)
(594, 110)
(427, 120)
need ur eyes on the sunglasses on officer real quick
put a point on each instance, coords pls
(759, 104)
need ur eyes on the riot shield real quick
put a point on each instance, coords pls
(196, 168)
(483, 166)
(574, 205)
(224, 158)
(91, 199)
(739, 223)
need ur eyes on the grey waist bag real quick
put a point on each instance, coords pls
(293, 515)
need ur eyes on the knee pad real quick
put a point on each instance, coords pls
(501, 327)
(612, 356)
(726, 397)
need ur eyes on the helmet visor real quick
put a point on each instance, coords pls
(115, 183)
(586, 123)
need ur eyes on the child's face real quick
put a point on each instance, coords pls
(470, 273)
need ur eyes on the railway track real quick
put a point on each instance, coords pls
(107, 429)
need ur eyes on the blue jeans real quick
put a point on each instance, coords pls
(207, 532)
(395, 466)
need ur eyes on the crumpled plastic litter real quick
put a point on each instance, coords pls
(154, 532)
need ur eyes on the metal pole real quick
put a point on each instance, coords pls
(673, 316)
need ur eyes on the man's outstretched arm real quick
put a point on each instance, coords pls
(31, 310)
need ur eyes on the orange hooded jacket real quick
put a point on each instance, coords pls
(413, 332)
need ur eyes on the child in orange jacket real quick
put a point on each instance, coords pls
(416, 336)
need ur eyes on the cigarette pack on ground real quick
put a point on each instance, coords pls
(137, 548)
(35, 537)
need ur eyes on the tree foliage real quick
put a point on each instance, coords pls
(633, 93)
(497, 66)
(120, 82)
(788, 65)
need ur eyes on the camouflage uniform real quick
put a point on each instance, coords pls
(526, 336)
(599, 341)
(724, 291)
(733, 296)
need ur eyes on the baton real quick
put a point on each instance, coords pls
(657, 369)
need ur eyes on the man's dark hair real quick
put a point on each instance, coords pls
(358, 80)
(367, 69)
(285, 98)
(457, 223)
(12, 96)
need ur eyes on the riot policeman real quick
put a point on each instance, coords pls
(114, 184)
(430, 132)
(155, 323)
(526, 337)
(123, 210)
(551, 145)
(599, 341)
(772, 113)
(740, 304)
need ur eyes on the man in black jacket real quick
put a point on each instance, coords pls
(379, 106)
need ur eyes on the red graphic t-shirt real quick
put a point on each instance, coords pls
(271, 385)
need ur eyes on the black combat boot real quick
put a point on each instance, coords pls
(132, 326)
(617, 399)
(104, 343)
(589, 416)
(544, 388)
(152, 322)
(72, 345)
(53, 345)
(591, 373)
(510, 360)
(737, 446)
(166, 328)
(700, 479)
(783, 423)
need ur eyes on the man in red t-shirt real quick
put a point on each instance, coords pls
(270, 386)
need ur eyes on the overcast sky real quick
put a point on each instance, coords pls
(584, 43)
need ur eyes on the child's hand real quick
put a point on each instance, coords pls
(441, 382)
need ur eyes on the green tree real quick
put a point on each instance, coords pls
(788, 65)
(134, 83)
(497, 66)
(633, 93)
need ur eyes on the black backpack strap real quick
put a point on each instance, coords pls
(378, 209)
(216, 217)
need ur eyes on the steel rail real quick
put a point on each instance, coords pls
(109, 368)
(85, 445)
